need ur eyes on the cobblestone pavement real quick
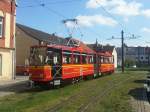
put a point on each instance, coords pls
(13, 86)
(140, 102)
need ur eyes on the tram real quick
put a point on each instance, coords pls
(55, 64)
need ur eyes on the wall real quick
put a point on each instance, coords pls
(7, 62)
(114, 53)
(7, 47)
(23, 43)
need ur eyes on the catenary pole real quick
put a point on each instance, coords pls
(122, 41)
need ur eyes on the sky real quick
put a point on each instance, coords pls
(96, 19)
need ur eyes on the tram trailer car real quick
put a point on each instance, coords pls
(54, 64)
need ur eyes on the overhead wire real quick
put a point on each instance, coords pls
(44, 5)
(50, 3)
(109, 14)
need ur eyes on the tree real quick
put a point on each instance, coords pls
(130, 62)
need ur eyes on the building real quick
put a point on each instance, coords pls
(113, 51)
(140, 55)
(27, 37)
(7, 39)
(106, 48)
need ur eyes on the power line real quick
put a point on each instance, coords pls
(108, 13)
(44, 5)
(51, 3)
(55, 12)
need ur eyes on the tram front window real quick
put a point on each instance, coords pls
(37, 56)
(41, 57)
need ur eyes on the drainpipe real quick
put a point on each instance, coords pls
(14, 39)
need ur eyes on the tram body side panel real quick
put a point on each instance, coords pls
(88, 69)
(73, 70)
(105, 68)
(40, 73)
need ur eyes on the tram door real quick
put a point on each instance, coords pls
(55, 61)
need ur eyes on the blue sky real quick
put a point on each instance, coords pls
(93, 21)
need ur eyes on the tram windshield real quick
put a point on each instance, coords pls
(40, 56)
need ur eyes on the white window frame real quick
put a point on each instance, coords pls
(1, 23)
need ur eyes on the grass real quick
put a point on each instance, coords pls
(136, 69)
(71, 98)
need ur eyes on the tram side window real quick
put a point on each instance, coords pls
(91, 59)
(105, 60)
(66, 59)
(102, 59)
(84, 59)
(76, 59)
(110, 60)
(53, 58)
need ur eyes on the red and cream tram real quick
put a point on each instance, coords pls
(53, 64)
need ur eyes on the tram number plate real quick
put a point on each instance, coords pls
(56, 82)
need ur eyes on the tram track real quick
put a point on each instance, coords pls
(95, 99)
(83, 107)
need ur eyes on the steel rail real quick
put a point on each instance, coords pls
(64, 102)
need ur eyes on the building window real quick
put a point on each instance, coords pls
(0, 64)
(1, 27)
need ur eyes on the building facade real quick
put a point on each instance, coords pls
(27, 37)
(7, 39)
(140, 55)
(113, 51)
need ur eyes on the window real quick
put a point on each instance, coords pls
(91, 60)
(1, 27)
(84, 59)
(106, 60)
(77, 59)
(67, 58)
(0, 64)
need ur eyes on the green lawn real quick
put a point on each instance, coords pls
(105, 94)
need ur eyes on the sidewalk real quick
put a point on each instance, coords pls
(17, 80)
(140, 102)
(13, 86)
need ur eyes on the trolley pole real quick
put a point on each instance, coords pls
(122, 41)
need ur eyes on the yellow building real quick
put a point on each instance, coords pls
(7, 39)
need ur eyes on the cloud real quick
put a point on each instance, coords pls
(106, 3)
(95, 3)
(118, 7)
(146, 30)
(146, 13)
(127, 9)
(89, 21)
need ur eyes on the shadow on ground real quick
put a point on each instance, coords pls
(137, 94)
(20, 87)
(140, 81)
(24, 87)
